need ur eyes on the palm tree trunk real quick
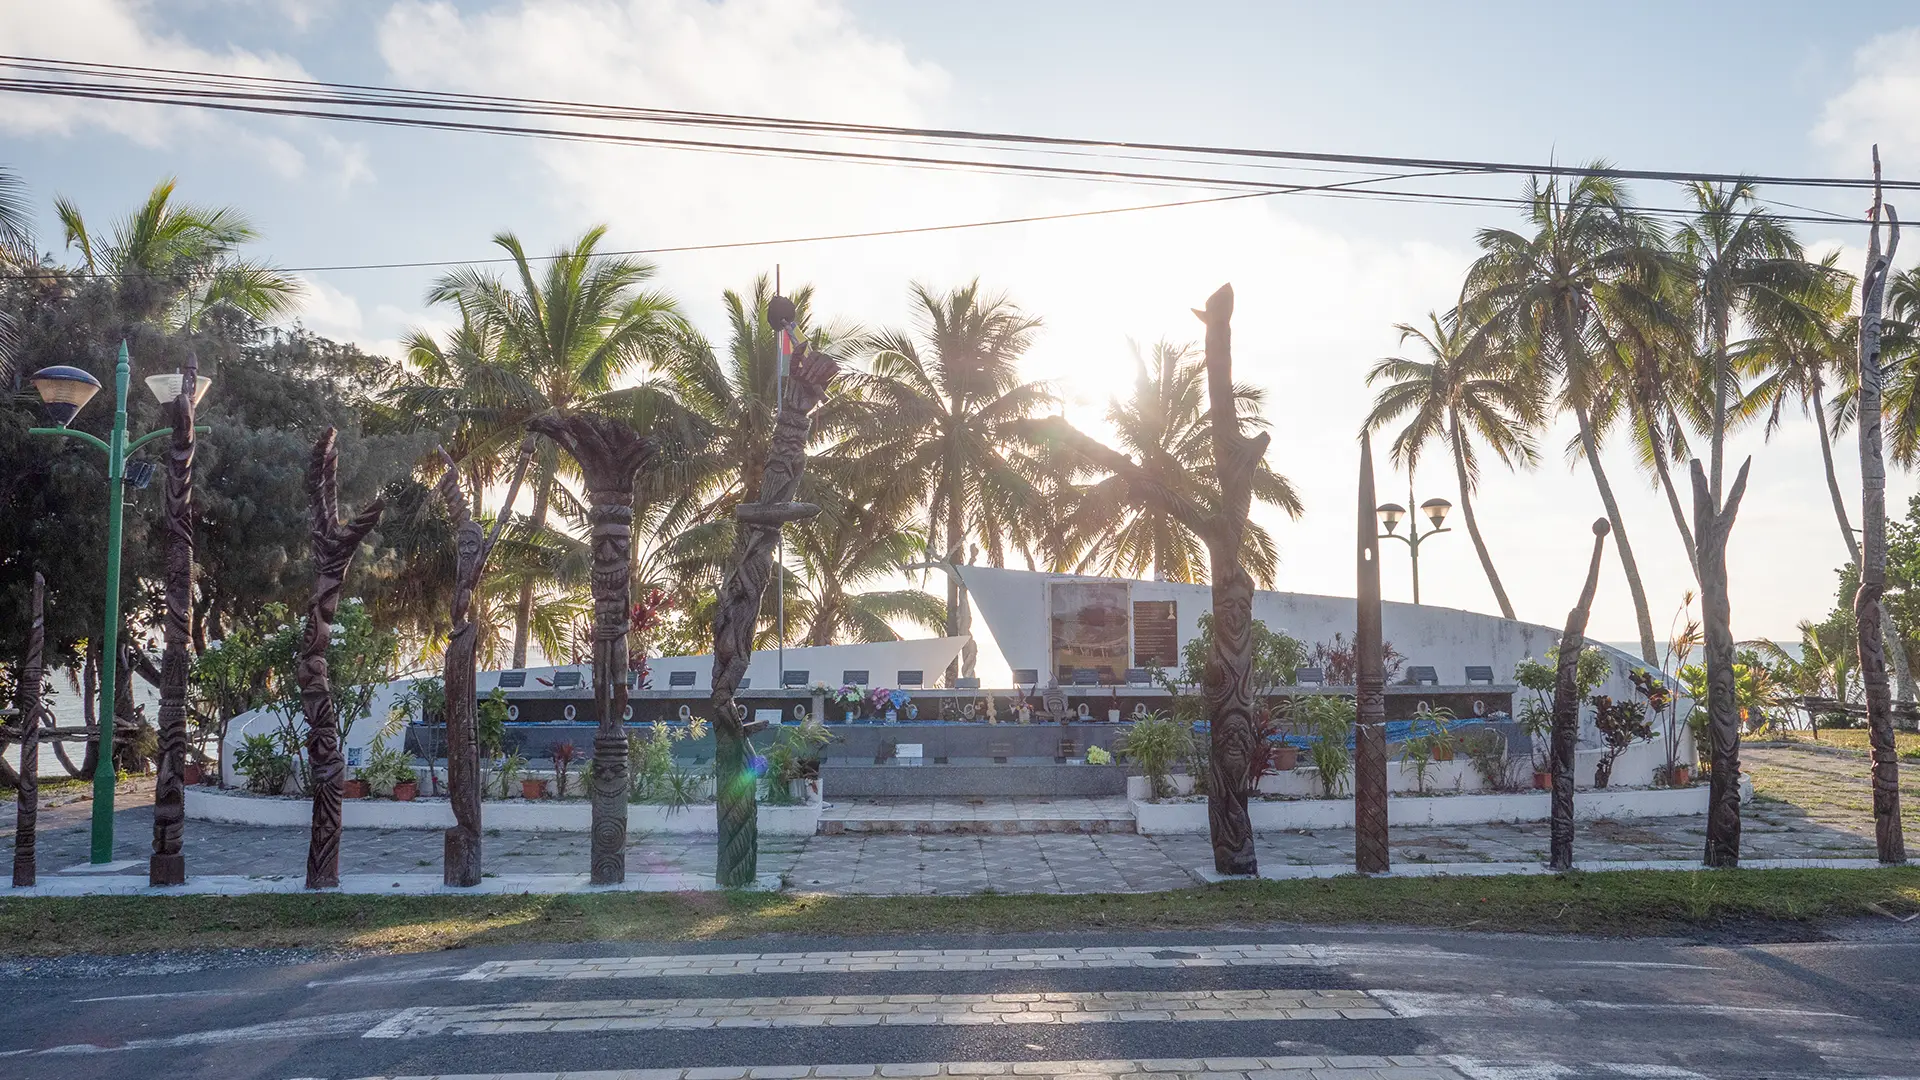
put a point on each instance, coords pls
(1473, 527)
(959, 618)
(1672, 493)
(1161, 543)
(1902, 668)
(1642, 615)
(523, 612)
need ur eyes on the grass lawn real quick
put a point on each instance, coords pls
(1631, 903)
(1855, 739)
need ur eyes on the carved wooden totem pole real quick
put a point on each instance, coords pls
(32, 714)
(610, 454)
(750, 569)
(461, 860)
(1565, 734)
(1867, 604)
(1228, 682)
(1370, 851)
(168, 864)
(334, 545)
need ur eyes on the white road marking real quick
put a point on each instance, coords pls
(300, 1028)
(423, 974)
(650, 1014)
(903, 960)
(174, 994)
(1414, 1003)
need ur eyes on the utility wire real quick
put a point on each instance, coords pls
(407, 98)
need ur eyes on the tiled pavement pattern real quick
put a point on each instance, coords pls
(962, 864)
(902, 960)
(875, 1010)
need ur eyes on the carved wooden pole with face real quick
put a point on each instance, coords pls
(1370, 850)
(610, 454)
(1867, 604)
(1228, 681)
(750, 568)
(334, 545)
(168, 865)
(1566, 707)
(27, 808)
(461, 856)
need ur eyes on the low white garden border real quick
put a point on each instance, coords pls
(1152, 818)
(518, 815)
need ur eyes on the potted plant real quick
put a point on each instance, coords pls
(562, 755)
(1283, 757)
(1621, 724)
(1331, 719)
(405, 790)
(533, 788)
(190, 773)
(507, 772)
(1416, 757)
(1155, 742)
(1663, 702)
(354, 788)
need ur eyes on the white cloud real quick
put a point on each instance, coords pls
(1881, 105)
(119, 32)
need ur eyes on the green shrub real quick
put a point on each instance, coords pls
(1155, 743)
(1328, 719)
(265, 765)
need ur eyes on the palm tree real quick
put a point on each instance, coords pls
(860, 538)
(948, 406)
(16, 251)
(1540, 291)
(1466, 385)
(565, 335)
(1737, 255)
(1800, 341)
(1164, 425)
(176, 262)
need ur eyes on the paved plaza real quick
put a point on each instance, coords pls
(1102, 859)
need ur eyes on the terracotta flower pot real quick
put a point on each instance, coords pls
(1443, 753)
(405, 790)
(533, 789)
(355, 789)
(1680, 776)
(1284, 758)
(1542, 780)
(191, 774)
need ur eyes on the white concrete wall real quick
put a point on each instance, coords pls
(1270, 816)
(205, 804)
(1014, 603)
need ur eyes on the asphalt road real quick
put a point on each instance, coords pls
(1276, 1004)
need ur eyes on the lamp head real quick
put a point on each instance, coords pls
(166, 388)
(1390, 515)
(1436, 510)
(64, 391)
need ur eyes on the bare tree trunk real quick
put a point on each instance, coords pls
(750, 568)
(1370, 851)
(1711, 526)
(1473, 525)
(1868, 610)
(1641, 613)
(1673, 496)
(523, 611)
(168, 865)
(1566, 707)
(610, 454)
(27, 808)
(461, 861)
(334, 545)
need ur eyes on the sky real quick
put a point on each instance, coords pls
(1772, 88)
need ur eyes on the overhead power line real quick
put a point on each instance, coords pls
(372, 95)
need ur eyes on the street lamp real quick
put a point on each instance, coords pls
(63, 392)
(1390, 515)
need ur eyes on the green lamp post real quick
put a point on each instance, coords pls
(64, 391)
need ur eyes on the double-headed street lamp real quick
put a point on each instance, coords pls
(64, 391)
(1390, 515)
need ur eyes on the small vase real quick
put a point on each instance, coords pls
(533, 789)
(1285, 758)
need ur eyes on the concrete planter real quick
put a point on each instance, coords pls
(518, 815)
(1416, 810)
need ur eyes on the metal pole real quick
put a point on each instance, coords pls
(104, 774)
(1413, 539)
